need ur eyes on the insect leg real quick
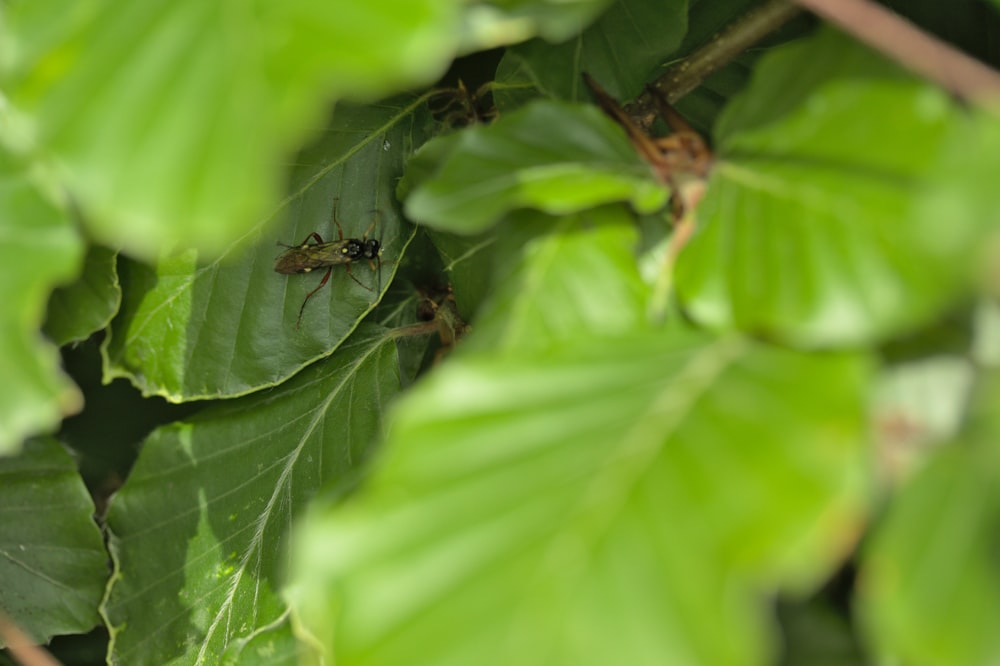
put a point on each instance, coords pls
(348, 267)
(315, 236)
(340, 231)
(310, 295)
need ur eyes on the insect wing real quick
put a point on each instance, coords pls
(304, 258)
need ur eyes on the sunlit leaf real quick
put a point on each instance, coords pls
(612, 503)
(53, 565)
(571, 277)
(555, 157)
(810, 228)
(169, 120)
(208, 555)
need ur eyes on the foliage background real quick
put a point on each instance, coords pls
(796, 463)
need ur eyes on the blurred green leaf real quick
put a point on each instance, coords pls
(810, 230)
(87, 305)
(622, 50)
(39, 248)
(930, 588)
(552, 156)
(594, 503)
(189, 330)
(169, 120)
(198, 567)
(568, 278)
(53, 565)
(502, 22)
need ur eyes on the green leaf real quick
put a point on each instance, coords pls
(87, 305)
(53, 565)
(40, 249)
(556, 157)
(622, 50)
(468, 261)
(929, 579)
(198, 567)
(169, 120)
(189, 330)
(501, 22)
(810, 230)
(569, 278)
(593, 504)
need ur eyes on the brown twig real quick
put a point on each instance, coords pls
(734, 39)
(910, 46)
(22, 647)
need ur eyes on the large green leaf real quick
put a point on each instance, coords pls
(168, 120)
(52, 559)
(88, 304)
(930, 586)
(596, 503)
(39, 248)
(810, 230)
(190, 330)
(552, 156)
(198, 529)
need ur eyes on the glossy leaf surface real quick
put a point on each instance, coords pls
(209, 555)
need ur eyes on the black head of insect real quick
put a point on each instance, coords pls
(364, 248)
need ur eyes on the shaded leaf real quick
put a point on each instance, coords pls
(613, 503)
(169, 119)
(189, 330)
(40, 248)
(810, 231)
(79, 309)
(197, 568)
(552, 156)
(52, 559)
(468, 263)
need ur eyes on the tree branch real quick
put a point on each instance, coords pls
(733, 40)
(910, 46)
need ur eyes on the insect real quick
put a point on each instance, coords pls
(308, 256)
(459, 107)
